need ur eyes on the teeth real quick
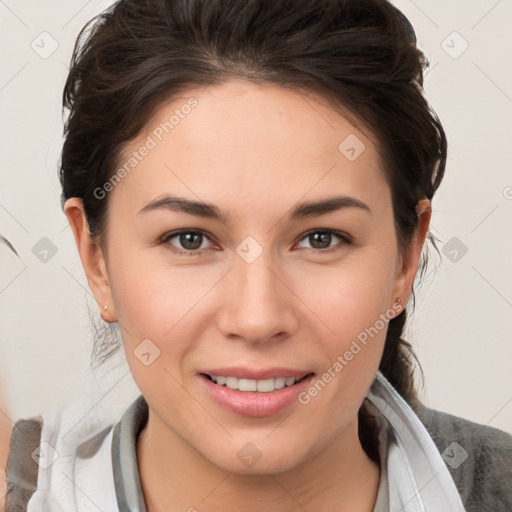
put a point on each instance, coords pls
(263, 386)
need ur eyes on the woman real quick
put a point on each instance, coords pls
(249, 185)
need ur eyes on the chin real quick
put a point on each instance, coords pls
(244, 457)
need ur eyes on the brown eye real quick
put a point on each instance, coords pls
(190, 241)
(320, 240)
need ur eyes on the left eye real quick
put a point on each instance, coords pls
(324, 237)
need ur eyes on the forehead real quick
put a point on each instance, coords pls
(253, 139)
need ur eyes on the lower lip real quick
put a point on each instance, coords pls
(253, 403)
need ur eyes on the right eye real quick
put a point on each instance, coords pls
(188, 239)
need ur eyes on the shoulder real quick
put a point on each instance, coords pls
(22, 463)
(53, 454)
(479, 458)
(85, 454)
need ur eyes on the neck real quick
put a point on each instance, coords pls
(175, 477)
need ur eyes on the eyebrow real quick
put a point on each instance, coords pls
(208, 210)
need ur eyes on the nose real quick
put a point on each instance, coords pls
(260, 306)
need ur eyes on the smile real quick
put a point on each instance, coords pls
(262, 386)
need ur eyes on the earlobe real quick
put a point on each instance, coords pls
(92, 258)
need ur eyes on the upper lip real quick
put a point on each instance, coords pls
(241, 372)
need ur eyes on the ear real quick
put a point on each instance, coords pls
(408, 265)
(92, 258)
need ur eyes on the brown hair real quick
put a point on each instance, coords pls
(358, 54)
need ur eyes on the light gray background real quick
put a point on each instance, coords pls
(463, 320)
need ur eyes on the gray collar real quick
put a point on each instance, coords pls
(124, 457)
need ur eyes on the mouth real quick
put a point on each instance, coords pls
(256, 398)
(255, 385)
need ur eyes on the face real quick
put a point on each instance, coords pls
(261, 283)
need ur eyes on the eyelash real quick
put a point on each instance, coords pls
(346, 239)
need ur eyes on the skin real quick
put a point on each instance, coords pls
(254, 151)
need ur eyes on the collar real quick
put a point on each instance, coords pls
(418, 479)
(124, 457)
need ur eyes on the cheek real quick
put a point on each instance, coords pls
(351, 297)
(149, 307)
(353, 307)
(161, 303)
(357, 315)
(148, 294)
